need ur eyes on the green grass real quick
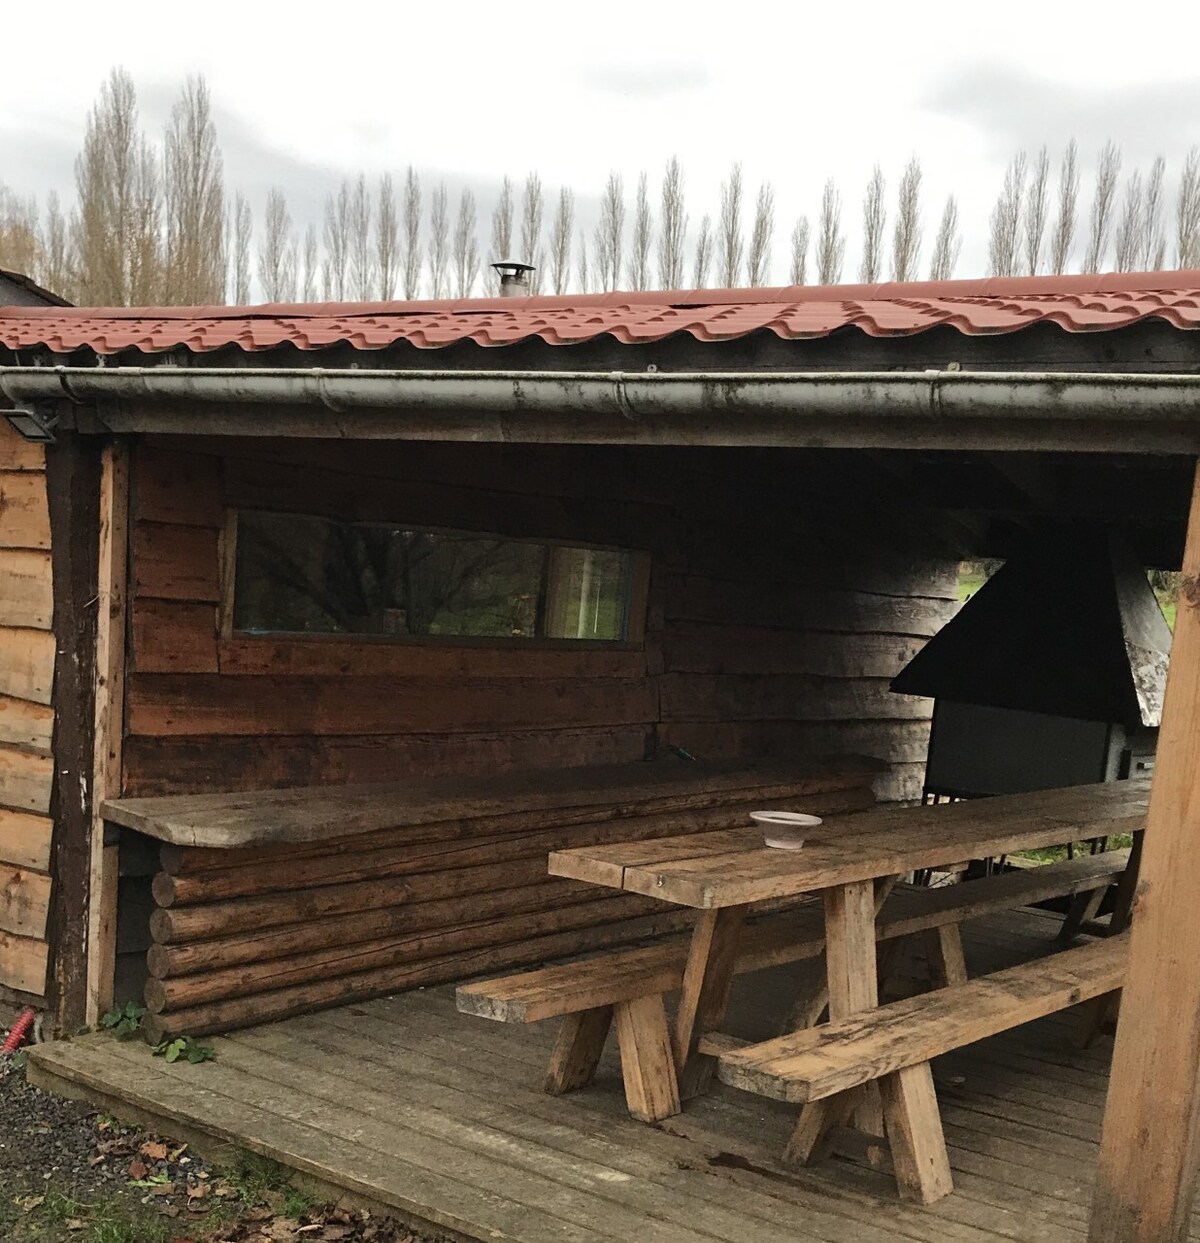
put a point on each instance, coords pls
(109, 1217)
(1052, 854)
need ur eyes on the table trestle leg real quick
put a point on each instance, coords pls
(577, 1050)
(647, 1062)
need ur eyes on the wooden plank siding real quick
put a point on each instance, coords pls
(27, 655)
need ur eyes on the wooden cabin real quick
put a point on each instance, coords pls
(322, 624)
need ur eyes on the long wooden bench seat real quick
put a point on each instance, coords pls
(584, 993)
(901, 1038)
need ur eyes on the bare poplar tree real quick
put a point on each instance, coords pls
(585, 277)
(532, 212)
(1063, 237)
(502, 229)
(20, 244)
(1033, 227)
(874, 218)
(702, 261)
(57, 262)
(561, 229)
(310, 266)
(194, 195)
(831, 241)
(1187, 213)
(947, 244)
(731, 243)
(466, 246)
(387, 241)
(239, 267)
(906, 234)
(643, 236)
(439, 241)
(410, 231)
(758, 261)
(1154, 239)
(117, 221)
(1004, 239)
(335, 273)
(672, 229)
(1108, 172)
(801, 233)
(277, 251)
(1127, 238)
(362, 258)
(610, 234)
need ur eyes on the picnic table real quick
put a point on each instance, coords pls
(852, 861)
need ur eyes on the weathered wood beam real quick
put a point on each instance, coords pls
(1149, 1148)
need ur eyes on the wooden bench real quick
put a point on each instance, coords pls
(894, 1044)
(629, 984)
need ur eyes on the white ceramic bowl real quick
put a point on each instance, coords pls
(784, 830)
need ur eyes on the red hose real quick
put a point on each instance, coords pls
(20, 1029)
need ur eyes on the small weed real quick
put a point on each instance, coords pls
(124, 1022)
(183, 1047)
(253, 1177)
(296, 1203)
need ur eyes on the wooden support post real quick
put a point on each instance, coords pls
(944, 950)
(914, 1130)
(707, 979)
(578, 1049)
(1149, 1146)
(647, 1064)
(112, 579)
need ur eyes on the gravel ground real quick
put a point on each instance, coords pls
(70, 1174)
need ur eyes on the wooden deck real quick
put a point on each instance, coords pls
(439, 1116)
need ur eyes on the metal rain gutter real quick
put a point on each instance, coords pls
(1032, 409)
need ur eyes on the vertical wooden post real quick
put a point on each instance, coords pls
(110, 705)
(1149, 1146)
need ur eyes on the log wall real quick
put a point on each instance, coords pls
(26, 722)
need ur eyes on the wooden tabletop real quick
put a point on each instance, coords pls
(733, 867)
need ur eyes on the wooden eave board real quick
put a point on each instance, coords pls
(318, 813)
(812, 1064)
(733, 867)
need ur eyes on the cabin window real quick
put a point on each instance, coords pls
(302, 574)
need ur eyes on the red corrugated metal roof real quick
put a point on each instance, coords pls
(1074, 303)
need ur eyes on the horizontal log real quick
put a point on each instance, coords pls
(24, 901)
(279, 1003)
(26, 664)
(714, 649)
(24, 516)
(176, 562)
(25, 724)
(17, 453)
(25, 780)
(169, 704)
(182, 765)
(343, 655)
(173, 636)
(264, 975)
(279, 870)
(694, 598)
(23, 962)
(789, 697)
(26, 592)
(25, 839)
(435, 909)
(180, 488)
(373, 819)
(190, 958)
(891, 741)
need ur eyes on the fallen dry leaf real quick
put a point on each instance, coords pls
(197, 1191)
(29, 1203)
(152, 1150)
(75, 1223)
(334, 1232)
(138, 1168)
(281, 1230)
(258, 1213)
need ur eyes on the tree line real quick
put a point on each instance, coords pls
(156, 224)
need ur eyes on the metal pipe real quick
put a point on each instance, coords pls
(830, 408)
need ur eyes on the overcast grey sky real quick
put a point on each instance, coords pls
(306, 93)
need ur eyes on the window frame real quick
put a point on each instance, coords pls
(637, 602)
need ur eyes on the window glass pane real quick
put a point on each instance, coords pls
(300, 574)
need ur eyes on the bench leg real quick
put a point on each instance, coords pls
(944, 950)
(914, 1129)
(704, 995)
(647, 1064)
(811, 1140)
(1084, 907)
(577, 1050)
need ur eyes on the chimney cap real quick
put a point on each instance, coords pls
(510, 267)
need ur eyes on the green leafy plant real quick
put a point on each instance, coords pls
(182, 1047)
(124, 1021)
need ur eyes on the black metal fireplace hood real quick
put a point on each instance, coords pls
(1069, 627)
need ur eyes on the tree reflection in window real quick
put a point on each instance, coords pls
(314, 575)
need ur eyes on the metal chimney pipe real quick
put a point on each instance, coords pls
(514, 278)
